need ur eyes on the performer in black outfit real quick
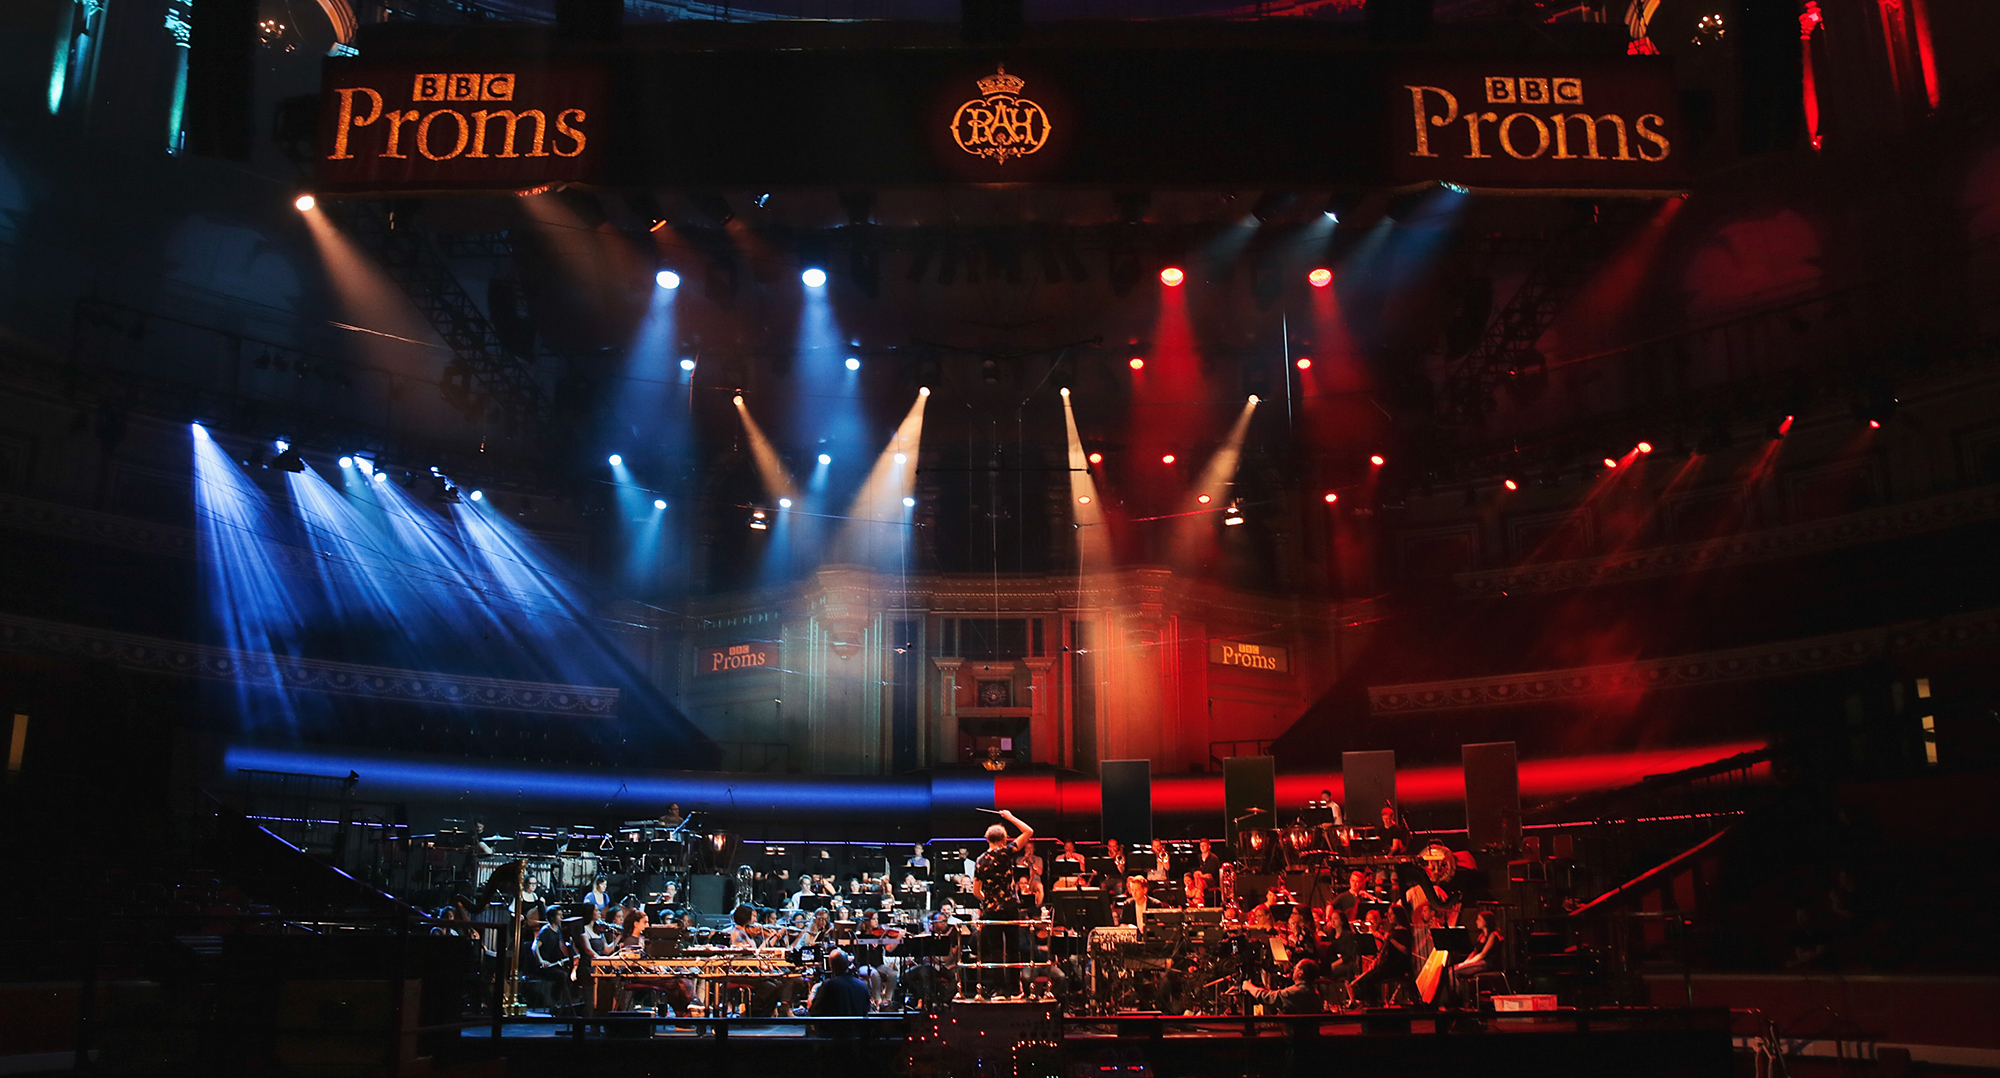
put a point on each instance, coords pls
(1300, 997)
(997, 878)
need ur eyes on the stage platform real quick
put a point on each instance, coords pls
(1008, 1039)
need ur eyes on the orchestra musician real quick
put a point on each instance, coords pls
(600, 894)
(1136, 900)
(881, 976)
(996, 881)
(1211, 862)
(1394, 968)
(841, 994)
(1162, 867)
(744, 931)
(1070, 856)
(1300, 997)
(1115, 850)
(1393, 831)
(1486, 958)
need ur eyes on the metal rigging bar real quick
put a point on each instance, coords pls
(1505, 351)
(483, 378)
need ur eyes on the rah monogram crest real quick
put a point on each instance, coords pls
(1000, 123)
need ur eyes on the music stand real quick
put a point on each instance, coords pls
(1082, 909)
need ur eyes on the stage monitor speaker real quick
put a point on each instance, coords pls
(707, 893)
(1126, 791)
(1368, 781)
(1492, 796)
(1249, 783)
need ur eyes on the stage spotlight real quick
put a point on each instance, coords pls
(1064, 391)
(667, 279)
(687, 364)
(1166, 458)
(478, 495)
(381, 477)
(1510, 484)
(902, 458)
(304, 203)
(853, 364)
(1097, 458)
(1644, 447)
(1305, 363)
(738, 399)
(1172, 276)
(1785, 427)
(1610, 462)
(288, 461)
(615, 460)
(1874, 424)
(1136, 363)
(1377, 460)
(347, 462)
(1202, 499)
(813, 277)
(280, 445)
(367, 466)
(909, 503)
(1254, 399)
(1320, 278)
(1331, 497)
(659, 503)
(825, 458)
(200, 432)
(925, 391)
(784, 503)
(1232, 516)
(1083, 499)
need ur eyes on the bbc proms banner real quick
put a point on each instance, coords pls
(1155, 117)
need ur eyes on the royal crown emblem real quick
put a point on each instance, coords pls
(1000, 123)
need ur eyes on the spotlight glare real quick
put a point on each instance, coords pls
(1874, 424)
(1254, 399)
(902, 458)
(909, 503)
(1610, 462)
(853, 364)
(381, 477)
(1064, 391)
(1083, 499)
(281, 445)
(1511, 485)
(347, 462)
(667, 279)
(923, 391)
(1331, 497)
(615, 460)
(1137, 363)
(1097, 458)
(200, 432)
(813, 277)
(659, 503)
(1202, 499)
(1305, 363)
(1320, 277)
(478, 495)
(825, 458)
(1172, 276)
(367, 466)
(739, 400)
(1377, 460)
(1166, 458)
(304, 203)
(1331, 216)
(1644, 447)
(784, 503)
(687, 364)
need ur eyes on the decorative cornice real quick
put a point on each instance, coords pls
(105, 529)
(1852, 529)
(157, 656)
(1978, 629)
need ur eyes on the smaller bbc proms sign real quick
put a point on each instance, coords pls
(503, 126)
(1267, 658)
(730, 658)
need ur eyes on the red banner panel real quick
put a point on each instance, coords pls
(493, 124)
(1539, 124)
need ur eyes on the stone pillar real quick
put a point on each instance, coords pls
(944, 747)
(1044, 726)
